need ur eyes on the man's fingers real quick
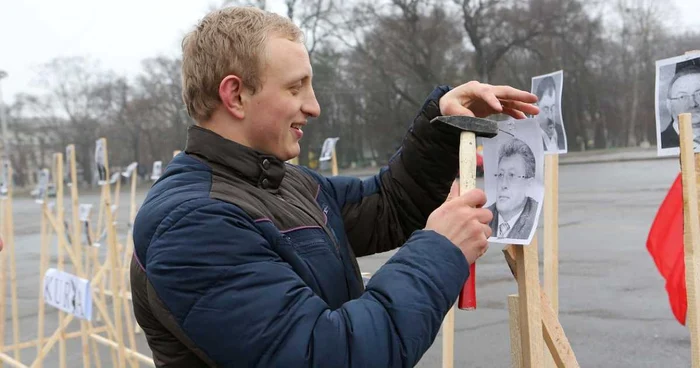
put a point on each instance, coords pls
(514, 113)
(455, 109)
(487, 94)
(521, 106)
(487, 230)
(510, 93)
(483, 215)
(454, 191)
(474, 198)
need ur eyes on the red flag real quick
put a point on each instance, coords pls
(665, 244)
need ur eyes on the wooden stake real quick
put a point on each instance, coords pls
(530, 305)
(3, 272)
(516, 353)
(334, 163)
(43, 266)
(128, 252)
(448, 338)
(60, 234)
(553, 333)
(113, 257)
(78, 249)
(551, 237)
(691, 232)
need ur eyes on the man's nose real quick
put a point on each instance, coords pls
(311, 107)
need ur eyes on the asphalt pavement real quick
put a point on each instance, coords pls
(613, 305)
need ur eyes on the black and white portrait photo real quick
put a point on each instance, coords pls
(130, 169)
(42, 186)
(101, 161)
(327, 149)
(514, 180)
(677, 92)
(548, 89)
(66, 168)
(5, 179)
(157, 170)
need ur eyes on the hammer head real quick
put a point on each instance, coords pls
(480, 127)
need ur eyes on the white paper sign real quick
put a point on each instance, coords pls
(514, 180)
(327, 149)
(66, 170)
(5, 179)
(114, 178)
(68, 293)
(42, 185)
(101, 161)
(157, 170)
(84, 212)
(130, 169)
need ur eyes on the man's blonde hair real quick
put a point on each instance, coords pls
(227, 41)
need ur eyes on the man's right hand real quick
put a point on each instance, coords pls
(462, 220)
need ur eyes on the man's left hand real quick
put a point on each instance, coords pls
(482, 100)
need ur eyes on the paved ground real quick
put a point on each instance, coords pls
(613, 305)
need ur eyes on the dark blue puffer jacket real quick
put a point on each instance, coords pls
(242, 260)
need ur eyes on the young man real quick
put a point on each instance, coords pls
(242, 260)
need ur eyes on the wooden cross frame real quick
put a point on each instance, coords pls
(89, 268)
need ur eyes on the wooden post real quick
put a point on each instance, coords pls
(3, 279)
(554, 336)
(128, 253)
(77, 247)
(113, 256)
(43, 266)
(690, 169)
(8, 251)
(60, 234)
(516, 352)
(334, 162)
(448, 338)
(528, 277)
(551, 236)
(9, 233)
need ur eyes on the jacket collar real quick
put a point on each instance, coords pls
(258, 169)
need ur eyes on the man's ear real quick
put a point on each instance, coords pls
(231, 90)
(668, 108)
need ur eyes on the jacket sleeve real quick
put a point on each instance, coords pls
(381, 212)
(239, 302)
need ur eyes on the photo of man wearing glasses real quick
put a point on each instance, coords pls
(680, 95)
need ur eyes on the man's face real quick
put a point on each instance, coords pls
(277, 112)
(512, 185)
(547, 107)
(684, 96)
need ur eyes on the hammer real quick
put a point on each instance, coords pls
(471, 127)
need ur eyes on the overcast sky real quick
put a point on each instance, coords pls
(119, 34)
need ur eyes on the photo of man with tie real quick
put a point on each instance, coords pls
(514, 185)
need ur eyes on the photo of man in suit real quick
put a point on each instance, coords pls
(682, 96)
(549, 118)
(100, 162)
(514, 211)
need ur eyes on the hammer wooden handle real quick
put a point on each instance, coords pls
(467, 182)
